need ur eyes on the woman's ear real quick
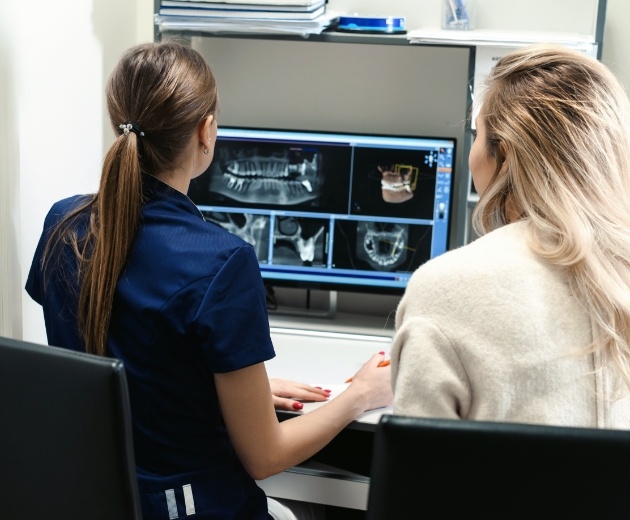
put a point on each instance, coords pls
(205, 131)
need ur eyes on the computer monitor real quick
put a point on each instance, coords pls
(328, 210)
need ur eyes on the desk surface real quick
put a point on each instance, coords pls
(344, 323)
(325, 359)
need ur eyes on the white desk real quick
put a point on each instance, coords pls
(326, 359)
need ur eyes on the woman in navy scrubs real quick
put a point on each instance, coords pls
(134, 272)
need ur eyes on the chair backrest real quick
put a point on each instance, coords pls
(441, 468)
(65, 435)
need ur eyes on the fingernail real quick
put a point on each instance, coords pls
(298, 406)
(382, 353)
(318, 387)
(327, 391)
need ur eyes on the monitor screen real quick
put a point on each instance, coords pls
(336, 211)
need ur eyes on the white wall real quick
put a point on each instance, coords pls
(510, 15)
(55, 59)
(617, 40)
(53, 131)
(10, 294)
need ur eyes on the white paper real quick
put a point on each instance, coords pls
(371, 416)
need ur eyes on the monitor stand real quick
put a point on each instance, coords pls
(307, 311)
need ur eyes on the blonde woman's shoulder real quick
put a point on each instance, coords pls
(506, 244)
(491, 265)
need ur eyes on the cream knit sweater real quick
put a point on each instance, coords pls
(490, 332)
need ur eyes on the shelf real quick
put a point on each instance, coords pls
(498, 38)
(421, 36)
(328, 36)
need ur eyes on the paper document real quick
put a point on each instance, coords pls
(260, 2)
(371, 416)
(495, 37)
(242, 14)
(219, 25)
(242, 6)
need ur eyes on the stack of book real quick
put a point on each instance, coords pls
(257, 10)
(301, 16)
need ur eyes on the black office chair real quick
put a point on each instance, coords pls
(439, 468)
(65, 436)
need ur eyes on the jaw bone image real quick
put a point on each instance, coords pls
(291, 239)
(398, 182)
(271, 175)
(251, 228)
(382, 245)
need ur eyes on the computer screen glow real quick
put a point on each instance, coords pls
(331, 210)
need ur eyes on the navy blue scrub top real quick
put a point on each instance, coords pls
(189, 303)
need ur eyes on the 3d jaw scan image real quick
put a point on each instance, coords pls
(398, 182)
(259, 173)
(299, 241)
(394, 183)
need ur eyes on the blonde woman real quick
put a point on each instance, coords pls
(531, 322)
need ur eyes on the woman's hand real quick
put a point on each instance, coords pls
(266, 446)
(373, 383)
(288, 394)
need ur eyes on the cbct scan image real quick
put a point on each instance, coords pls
(380, 246)
(280, 176)
(265, 173)
(394, 183)
(300, 241)
(254, 229)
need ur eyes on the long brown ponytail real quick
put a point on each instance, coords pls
(156, 96)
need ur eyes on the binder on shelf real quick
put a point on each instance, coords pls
(276, 3)
(242, 6)
(218, 25)
(242, 14)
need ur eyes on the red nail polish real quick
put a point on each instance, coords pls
(318, 387)
(327, 391)
(298, 406)
(382, 353)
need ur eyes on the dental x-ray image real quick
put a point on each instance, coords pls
(380, 246)
(265, 173)
(300, 241)
(254, 229)
(282, 176)
(383, 245)
(331, 210)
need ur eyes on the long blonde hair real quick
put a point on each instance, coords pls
(558, 124)
(163, 90)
